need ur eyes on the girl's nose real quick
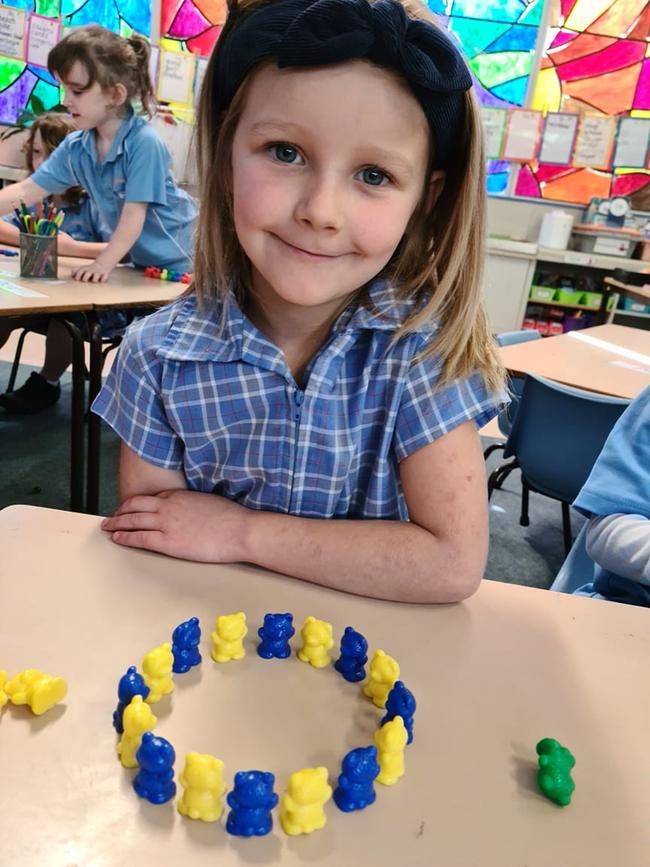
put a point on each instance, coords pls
(320, 204)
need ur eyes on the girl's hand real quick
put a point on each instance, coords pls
(203, 527)
(93, 272)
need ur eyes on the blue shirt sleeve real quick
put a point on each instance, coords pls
(428, 411)
(148, 172)
(131, 400)
(58, 173)
(620, 479)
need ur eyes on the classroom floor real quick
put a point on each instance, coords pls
(35, 460)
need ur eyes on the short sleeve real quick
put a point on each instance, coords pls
(131, 400)
(148, 168)
(58, 172)
(428, 411)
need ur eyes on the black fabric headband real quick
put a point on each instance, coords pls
(321, 32)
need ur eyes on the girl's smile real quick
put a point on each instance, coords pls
(328, 168)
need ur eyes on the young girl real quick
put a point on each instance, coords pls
(332, 360)
(116, 156)
(83, 237)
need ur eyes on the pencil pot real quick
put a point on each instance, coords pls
(38, 255)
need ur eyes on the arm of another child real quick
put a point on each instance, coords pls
(127, 232)
(24, 191)
(621, 544)
(438, 556)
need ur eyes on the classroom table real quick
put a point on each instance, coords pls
(492, 676)
(126, 287)
(608, 359)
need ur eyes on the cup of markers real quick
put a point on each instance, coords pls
(38, 240)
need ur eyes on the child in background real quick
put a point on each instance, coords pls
(116, 156)
(83, 237)
(332, 359)
(616, 499)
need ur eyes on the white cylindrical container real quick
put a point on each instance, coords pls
(555, 230)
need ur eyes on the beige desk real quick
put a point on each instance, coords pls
(126, 287)
(491, 676)
(580, 359)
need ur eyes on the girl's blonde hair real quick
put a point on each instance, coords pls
(53, 127)
(109, 59)
(439, 261)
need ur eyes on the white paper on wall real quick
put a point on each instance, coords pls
(176, 77)
(12, 32)
(42, 36)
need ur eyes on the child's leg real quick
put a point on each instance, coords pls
(58, 351)
(41, 390)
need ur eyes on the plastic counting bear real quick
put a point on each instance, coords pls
(252, 798)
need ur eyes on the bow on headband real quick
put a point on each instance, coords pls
(305, 33)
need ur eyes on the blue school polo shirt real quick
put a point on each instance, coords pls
(136, 169)
(220, 404)
(620, 482)
(81, 222)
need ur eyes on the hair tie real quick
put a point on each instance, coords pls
(302, 33)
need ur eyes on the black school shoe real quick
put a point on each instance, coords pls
(32, 397)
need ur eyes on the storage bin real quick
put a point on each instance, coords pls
(542, 293)
(594, 299)
(634, 306)
(604, 240)
(569, 296)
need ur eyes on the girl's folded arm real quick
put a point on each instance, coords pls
(438, 556)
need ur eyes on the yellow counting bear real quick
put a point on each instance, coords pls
(202, 779)
(157, 672)
(228, 636)
(301, 807)
(39, 691)
(390, 741)
(4, 698)
(138, 718)
(317, 641)
(384, 671)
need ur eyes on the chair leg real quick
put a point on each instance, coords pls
(566, 527)
(524, 519)
(504, 471)
(16, 364)
(488, 451)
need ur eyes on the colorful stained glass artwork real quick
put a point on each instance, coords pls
(192, 25)
(597, 59)
(20, 82)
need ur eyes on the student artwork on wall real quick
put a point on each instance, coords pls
(594, 63)
(191, 25)
(499, 41)
(25, 83)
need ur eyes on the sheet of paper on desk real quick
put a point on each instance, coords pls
(20, 290)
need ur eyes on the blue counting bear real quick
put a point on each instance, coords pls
(275, 635)
(185, 645)
(352, 660)
(155, 779)
(251, 800)
(400, 702)
(132, 683)
(355, 789)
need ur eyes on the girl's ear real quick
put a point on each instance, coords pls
(436, 185)
(117, 95)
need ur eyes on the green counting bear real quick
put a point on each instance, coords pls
(554, 775)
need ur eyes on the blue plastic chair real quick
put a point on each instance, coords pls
(507, 415)
(557, 434)
(578, 568)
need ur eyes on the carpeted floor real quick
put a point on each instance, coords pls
(35, 466)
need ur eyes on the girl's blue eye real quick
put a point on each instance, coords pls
(285, 153)
(374, 177)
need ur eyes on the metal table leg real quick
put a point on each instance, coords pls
(94, 422)
(77, 407)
